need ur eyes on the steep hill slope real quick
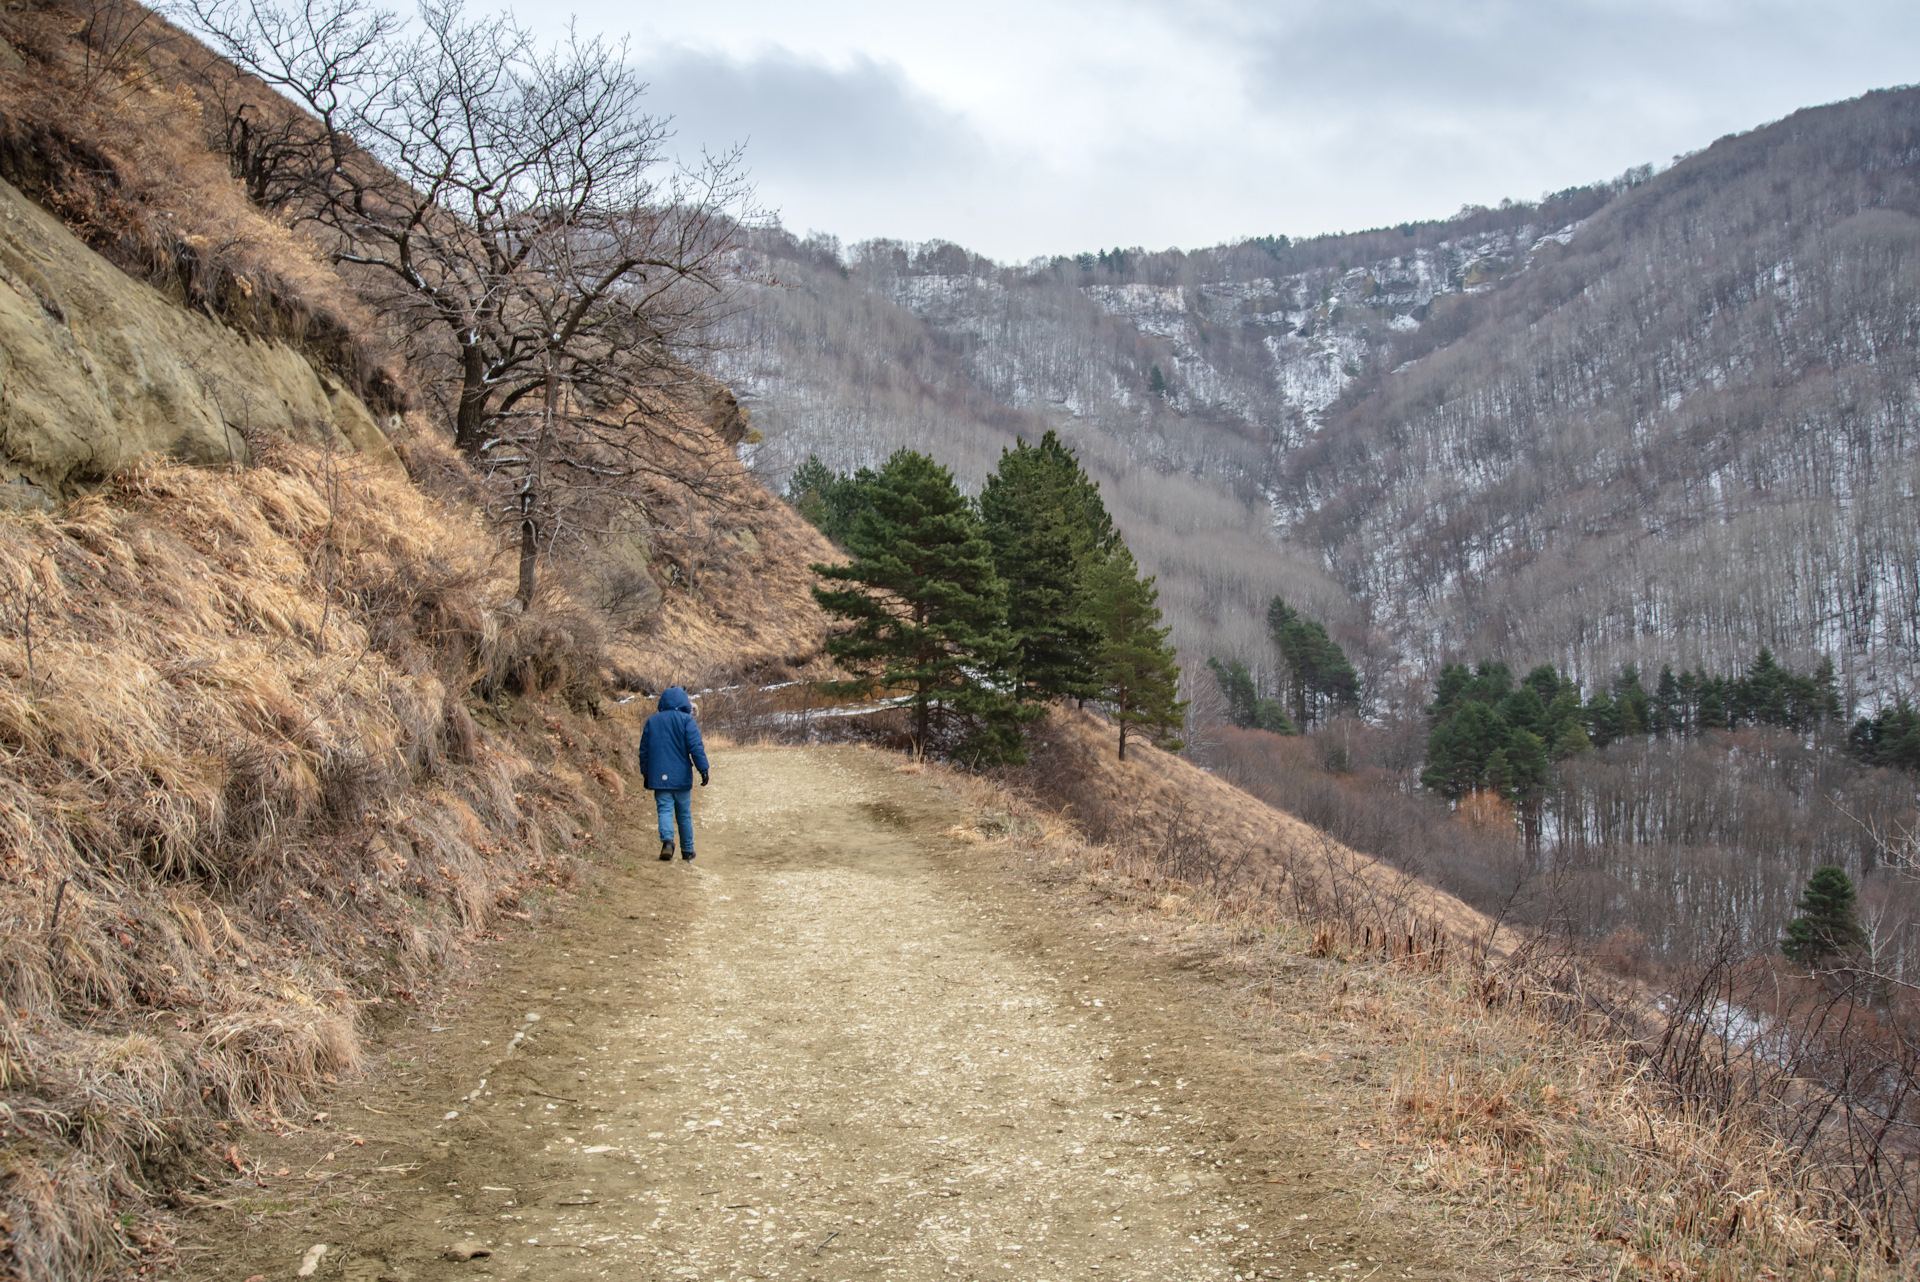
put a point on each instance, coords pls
(277, 742)
(1690, 433)
(1667, 418)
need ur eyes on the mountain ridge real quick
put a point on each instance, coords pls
(1292, 435)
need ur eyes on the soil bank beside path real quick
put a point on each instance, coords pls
(842, 1044)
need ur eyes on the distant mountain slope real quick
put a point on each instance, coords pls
(1669, 417)
(851, 355)
(854, 361)
(1689, 433)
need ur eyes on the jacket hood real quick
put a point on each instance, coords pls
(674, 699)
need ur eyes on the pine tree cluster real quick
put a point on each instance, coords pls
(1890, 739)
(1488, 734)
(978, 613)
(1314, 677)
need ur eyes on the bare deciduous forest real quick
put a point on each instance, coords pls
(1665, 418)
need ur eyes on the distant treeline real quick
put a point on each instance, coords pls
(1489, 734)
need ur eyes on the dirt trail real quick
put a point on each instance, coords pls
(842, 1044)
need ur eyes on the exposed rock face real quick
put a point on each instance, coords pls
(98, 370)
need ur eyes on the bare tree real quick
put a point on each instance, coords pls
(515, 211)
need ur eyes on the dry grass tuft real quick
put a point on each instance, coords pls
(243, 794)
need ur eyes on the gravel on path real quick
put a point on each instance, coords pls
(841, 1044)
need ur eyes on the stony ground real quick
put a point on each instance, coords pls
(844, 1043)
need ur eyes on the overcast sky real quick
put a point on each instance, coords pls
(1027, 127)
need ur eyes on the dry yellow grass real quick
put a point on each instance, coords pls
(242, 796)
(734, 590)
(274, 743)
(1542, 1139)
(1257, 858)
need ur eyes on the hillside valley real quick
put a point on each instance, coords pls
(1666, 419)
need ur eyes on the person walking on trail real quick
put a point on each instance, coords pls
(670, 751)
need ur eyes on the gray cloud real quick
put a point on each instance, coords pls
(803, 120)
(1023, 127)
(1522, 66)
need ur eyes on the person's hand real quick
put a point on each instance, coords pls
(703, 779)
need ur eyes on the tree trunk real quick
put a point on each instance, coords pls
(470, 418)
(529, 495)
(1123, 736)
(529, 550)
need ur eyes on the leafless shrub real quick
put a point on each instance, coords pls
(115, 38)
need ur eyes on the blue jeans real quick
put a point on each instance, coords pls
(676, 806)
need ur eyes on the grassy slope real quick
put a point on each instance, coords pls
(1491, 1083)
(244, 799)
(1209, 831)
(271, 751)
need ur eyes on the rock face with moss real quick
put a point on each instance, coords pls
(101, 371)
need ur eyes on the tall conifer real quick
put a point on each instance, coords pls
(928, 612)
(1138, 678)
(1047, 526)
(1828, 926)
(1318, 674)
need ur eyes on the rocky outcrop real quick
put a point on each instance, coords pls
(98, 370)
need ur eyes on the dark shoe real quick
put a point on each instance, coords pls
(687, 855)
(666, 850)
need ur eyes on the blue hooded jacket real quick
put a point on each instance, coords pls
(669, 742)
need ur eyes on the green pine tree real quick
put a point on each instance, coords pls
(1466, 750)
(1246, 707)
(1826, 691)
(1764, 693)
(1320, 680)
(1602, 718)
(1138, 678)
(1891, 739)
(1631, 705)
(1667, 716)
(1156, 382)
(1828, 925)
(830, 500)
(1046, 524)
(928, 612)
(1714, 713)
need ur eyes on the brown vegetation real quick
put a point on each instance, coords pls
(733, 598)
(105, 119)
(1204, 830)
(1564, 1123)
(276, 742)
(244, 798)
